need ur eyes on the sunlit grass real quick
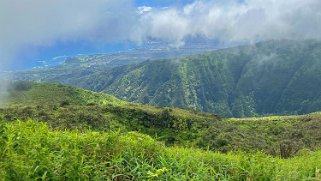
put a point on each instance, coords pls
(30, 150)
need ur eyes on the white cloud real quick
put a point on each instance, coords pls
(35, 23)
(144, 9)
(43, 22)
(234, 21)
(26, 25)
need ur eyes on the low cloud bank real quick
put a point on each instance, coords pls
(35, 23)
(26, 25)
(250, 20)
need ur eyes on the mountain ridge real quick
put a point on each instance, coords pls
(243, 81)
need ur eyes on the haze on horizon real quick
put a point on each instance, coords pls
(29, 27)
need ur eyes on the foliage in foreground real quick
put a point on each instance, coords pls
(63, 107)
(30, 150)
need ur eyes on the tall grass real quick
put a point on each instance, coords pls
(31, 151)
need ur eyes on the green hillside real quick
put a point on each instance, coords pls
(63, 107)
(55, 132)
(261, 79)
(33, 94)
(66, 107)
(267, 78)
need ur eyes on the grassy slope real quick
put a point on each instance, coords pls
(109, 150)
(31, 94)
(31, 151)
(73, 108)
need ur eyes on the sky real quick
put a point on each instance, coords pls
(162, 3)
(28, 57)
(33, 30)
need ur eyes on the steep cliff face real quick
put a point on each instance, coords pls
(274, 77)
(270, 77)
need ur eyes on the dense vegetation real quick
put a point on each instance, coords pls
(70, 133)
(55, 132)
(31, 151)
(265, 78)
(71, 108)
